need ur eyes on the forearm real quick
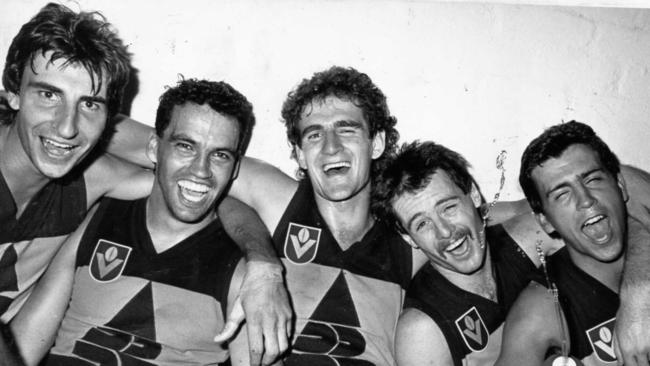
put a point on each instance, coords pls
(636, 274)
(129, 141)
(245, 227)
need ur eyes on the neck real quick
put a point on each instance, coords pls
(22, 177)
(348, 220)
(165, 230)
(609, 274)
(481, 282)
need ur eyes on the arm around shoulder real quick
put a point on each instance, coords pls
(531, 328)
(419, 341)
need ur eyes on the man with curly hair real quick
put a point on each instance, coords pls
(154, 275)
(65, 76)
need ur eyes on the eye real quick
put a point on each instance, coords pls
(183, 147)
(313, 136)
(451, 208)
(421, 225)
(347, 131)
(561, 195)
(91, 106)
(223, 156)
(48, 96)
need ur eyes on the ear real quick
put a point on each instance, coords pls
(475, 195)
(407, 238)
(235, 169)
(622, 186)
(13, 100)
(378, 144)
(300, 157)
(152, 148)
(544, 223)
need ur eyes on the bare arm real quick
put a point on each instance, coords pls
(528, 234)
(504, 210)
(419, 341)
(531, 328)
(36, 324)
(129, 142)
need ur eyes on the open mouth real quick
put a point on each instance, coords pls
(192, 191)
(55, 148)
(456, 247)
(597, 228)
(339, 167)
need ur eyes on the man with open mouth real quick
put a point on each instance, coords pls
(573, 182)
(456, 305)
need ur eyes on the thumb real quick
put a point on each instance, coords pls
(235, 318)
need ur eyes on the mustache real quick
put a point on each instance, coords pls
(456, 235)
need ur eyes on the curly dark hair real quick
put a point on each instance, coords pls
(347, 84)
(551, 144)
(220, 96)
(410, 171)
(84, 38)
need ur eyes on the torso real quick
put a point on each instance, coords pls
(132, 305)
(346, 302)
(472, 324)
(28, 243)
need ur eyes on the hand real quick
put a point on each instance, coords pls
(632, 330)
(264, 301)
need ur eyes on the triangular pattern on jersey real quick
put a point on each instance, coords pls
(337, 297)
(8, 280)
(138, 310)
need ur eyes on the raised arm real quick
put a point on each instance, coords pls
(36, 325)
(419, 341)
(531, 329)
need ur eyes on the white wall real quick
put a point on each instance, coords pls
(479, 78)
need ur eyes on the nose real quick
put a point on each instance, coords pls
(444, 228)
(200, 166)
(584, 197)
(332, 142)
(67, 123)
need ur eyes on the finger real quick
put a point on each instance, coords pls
(255, 343)
(283, 338)
(271, 344)
(617, 351)
(642, 360)
(235, 318)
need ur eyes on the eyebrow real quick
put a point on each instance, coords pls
(337, 124)
(564, 184)
(439, 203)
(54, 89)
(188, 139)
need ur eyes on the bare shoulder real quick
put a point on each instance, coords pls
(111, 176)
(420, 341)
(527, 233)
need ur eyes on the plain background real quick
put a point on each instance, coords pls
(481, 78)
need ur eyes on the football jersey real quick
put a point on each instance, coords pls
(28, 243)
(473, 325)
(133, 306)
(346, 301)
(591, 328)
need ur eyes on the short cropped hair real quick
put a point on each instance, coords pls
(346, 84)
(410, 171)
(220, 96)
(551, 144)
(84, 38)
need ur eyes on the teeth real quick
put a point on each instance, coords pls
(193, 192)
(593, 220)
(453, 246)
(340, 164)
(57, 144)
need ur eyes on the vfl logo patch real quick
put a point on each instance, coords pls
(108, 260)
(471, 327)
(301, 243)
(600, 338)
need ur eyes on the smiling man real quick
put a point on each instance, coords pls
(572, 181)
(456, 305)
(151, 279)
(65, 76)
